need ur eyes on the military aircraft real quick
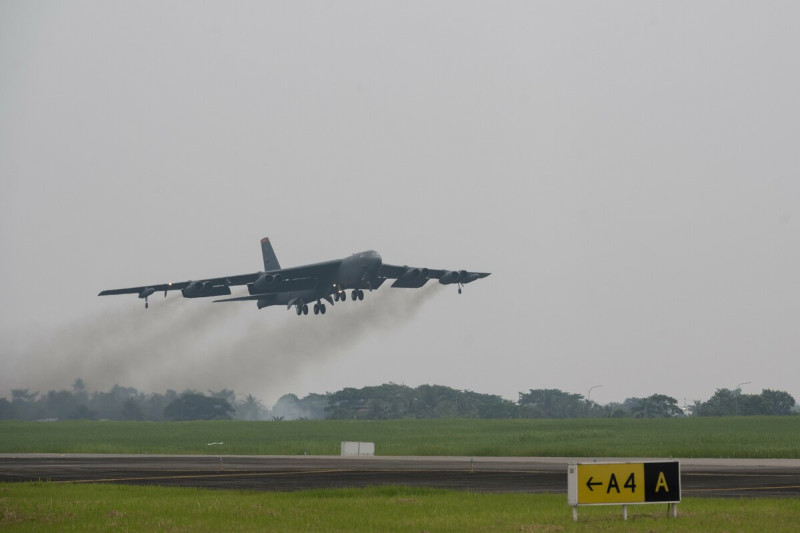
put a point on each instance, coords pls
(299, 286)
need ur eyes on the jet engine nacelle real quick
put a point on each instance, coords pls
(451, 276)
(265, 282)
(466, 277)
(457, 276)
(202, 289)
(416, 273)
(194, 289)
(146, 292)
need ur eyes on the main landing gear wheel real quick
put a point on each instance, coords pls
(305, 309)
(357, 294)
(299, 310)
(322, 309)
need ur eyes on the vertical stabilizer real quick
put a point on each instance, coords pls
(270, 261)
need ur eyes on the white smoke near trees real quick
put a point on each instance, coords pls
(179, 344)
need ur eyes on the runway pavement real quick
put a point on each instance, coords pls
(699, 477)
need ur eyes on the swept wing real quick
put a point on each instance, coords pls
(415, 277)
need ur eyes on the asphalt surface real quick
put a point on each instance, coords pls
(699, 477)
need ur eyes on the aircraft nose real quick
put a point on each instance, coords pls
(372, 262)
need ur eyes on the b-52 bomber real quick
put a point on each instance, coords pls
(303, 285)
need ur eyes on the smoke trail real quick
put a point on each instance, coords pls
(189, 344)
(270, 353)
(121, 347)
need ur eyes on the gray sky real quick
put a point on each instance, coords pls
(627, 170)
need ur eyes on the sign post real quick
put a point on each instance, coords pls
(623, 484)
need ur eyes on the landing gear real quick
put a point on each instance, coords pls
(319, 308)
(299, 310)
(357, 294)
(146, 305)
(459, 288)
(340, 296)
(305, 309)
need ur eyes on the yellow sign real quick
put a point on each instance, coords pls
(611, 483)
(623, 483)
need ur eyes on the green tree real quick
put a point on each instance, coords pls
(695, 407)
(25, 405)
(60, 404)
(8, 411)
(132, 409)
(657, 406)
(552, 403)
(722, 403)
(750, 404)
(81, 412)
(193, 406)
(250, 409)
(224, 394)
(776, 402)
(81, 394)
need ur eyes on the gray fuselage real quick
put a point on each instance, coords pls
(358, 271)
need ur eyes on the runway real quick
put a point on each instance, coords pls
(699, 477)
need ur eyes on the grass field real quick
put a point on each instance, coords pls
(69, 507)
(756, 437)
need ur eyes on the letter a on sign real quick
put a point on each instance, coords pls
(612, 483)
(661, 483)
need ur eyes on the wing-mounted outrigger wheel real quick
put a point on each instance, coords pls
(145, 293)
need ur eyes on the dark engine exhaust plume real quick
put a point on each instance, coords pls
(178, 344)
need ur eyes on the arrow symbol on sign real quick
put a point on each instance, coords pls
(590, 484)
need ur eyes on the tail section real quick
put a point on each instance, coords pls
(270, 261)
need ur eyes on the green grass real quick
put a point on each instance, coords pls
(69, 507)
(757, 437)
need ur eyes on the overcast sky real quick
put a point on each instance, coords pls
(628, 171)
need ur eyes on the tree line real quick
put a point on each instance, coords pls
(126, 403)
(387, 401)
